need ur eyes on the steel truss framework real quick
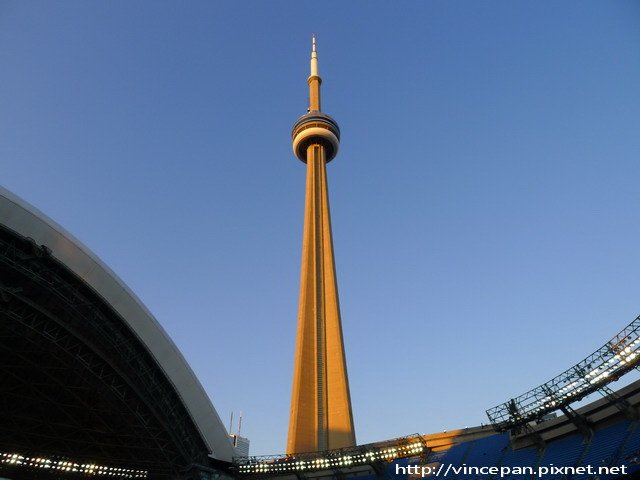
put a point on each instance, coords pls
(617, 357)
(374, 455)
(75, 381)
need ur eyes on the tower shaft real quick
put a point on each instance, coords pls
(320, 416)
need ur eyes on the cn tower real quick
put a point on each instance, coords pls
(320, 417)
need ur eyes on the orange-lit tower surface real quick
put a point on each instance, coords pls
(320, 417)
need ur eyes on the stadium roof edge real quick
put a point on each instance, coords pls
(28, 221)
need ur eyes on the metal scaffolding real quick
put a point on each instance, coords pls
(374, 455)
(75, 381)
(615, 358)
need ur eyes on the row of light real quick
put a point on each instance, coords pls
(594, 377)
(290, 464)
(66, 466)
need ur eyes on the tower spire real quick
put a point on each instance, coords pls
(314, 79)
(314, 57)
(320, 416)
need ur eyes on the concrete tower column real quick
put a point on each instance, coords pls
(320, 416)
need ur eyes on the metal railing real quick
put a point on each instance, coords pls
(387, 451)
(615, 358)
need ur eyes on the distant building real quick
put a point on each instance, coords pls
(241, 444)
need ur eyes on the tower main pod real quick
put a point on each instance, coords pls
(320, 417)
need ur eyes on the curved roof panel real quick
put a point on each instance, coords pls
(26, 220)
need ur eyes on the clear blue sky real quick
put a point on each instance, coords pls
(485, 200)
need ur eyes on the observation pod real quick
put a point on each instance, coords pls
(315, 128)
